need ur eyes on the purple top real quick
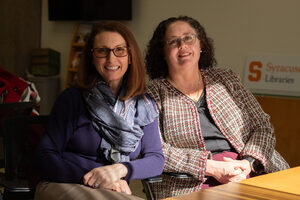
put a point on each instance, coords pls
(68, 150)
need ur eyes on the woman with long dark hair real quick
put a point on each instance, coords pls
(98, 128)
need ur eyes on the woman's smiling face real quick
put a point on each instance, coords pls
(182, 48)
(111, 68)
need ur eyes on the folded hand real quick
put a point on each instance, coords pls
(106, 177)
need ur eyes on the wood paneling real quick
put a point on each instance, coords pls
(20, 32)
(285, 117)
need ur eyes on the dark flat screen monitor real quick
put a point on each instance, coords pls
(89, 10)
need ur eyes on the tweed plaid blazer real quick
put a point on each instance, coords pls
(235, 112)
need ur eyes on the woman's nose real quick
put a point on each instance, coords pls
(110, 55)
(180, 43)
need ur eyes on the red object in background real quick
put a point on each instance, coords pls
(11, 87)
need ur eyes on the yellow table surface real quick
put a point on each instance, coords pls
(285, 181)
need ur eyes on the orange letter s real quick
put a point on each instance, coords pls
(255, 73)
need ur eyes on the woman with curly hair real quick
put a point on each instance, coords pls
(211, 126)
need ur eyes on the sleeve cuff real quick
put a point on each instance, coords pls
(129, 171)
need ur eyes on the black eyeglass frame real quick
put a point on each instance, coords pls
(108, 50)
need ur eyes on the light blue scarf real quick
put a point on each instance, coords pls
(118, 122)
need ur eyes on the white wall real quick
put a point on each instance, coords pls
(238, 27)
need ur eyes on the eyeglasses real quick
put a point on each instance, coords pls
(187, 39)
(104, 52)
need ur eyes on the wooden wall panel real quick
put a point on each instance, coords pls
(285, 117)
(20, 32)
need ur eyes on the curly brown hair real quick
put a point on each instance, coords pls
(134, 78)
(155, 63)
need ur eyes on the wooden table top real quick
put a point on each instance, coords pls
(284, 181)
(281, 185)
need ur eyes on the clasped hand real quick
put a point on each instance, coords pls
(108, 177)
(228, 170)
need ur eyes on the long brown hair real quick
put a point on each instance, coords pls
(135, 77)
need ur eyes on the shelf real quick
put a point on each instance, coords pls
(76, 44)
(72, 69)
(80, 36)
